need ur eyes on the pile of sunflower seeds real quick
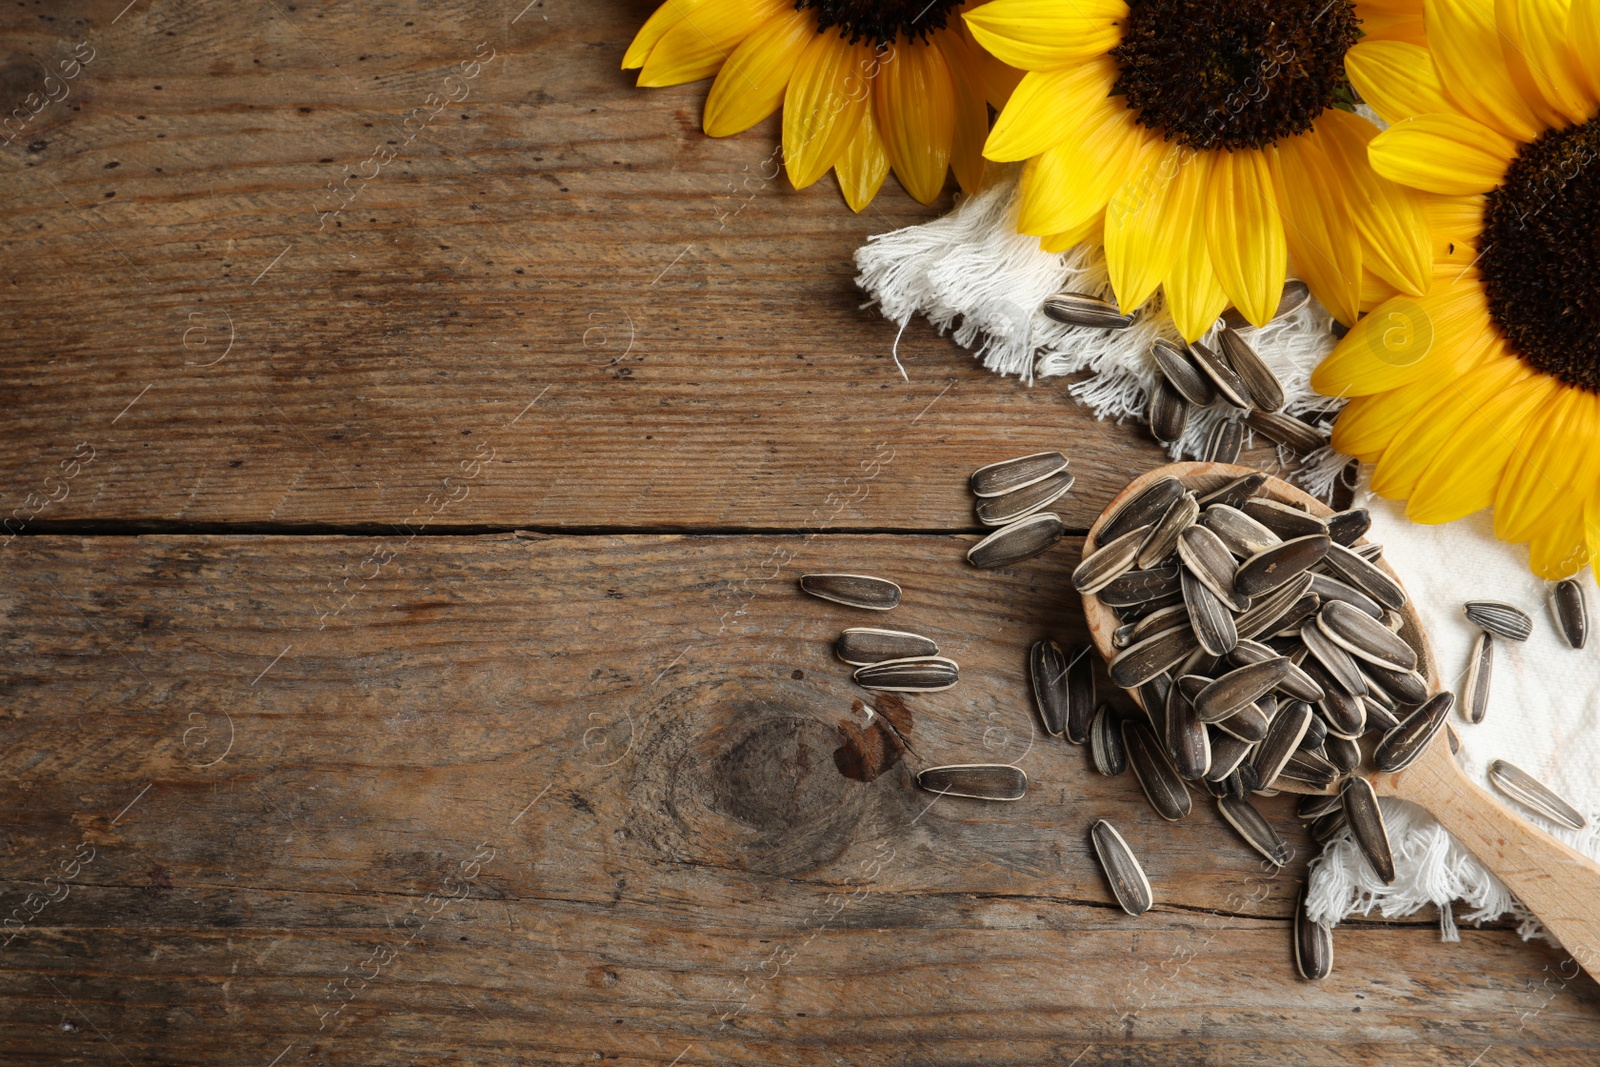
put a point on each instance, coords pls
(1012, 495)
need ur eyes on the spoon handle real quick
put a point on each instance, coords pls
(1559, 884)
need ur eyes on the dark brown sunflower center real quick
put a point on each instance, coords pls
(1234, 73)
(1541, 254)
(880, 23)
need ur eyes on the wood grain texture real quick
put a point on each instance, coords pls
(547, 799)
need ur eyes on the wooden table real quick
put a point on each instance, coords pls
(402, 661)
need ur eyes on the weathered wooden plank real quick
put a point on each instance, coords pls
(563, 273)
(615, 754)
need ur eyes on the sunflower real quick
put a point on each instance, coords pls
(1486, 391)
(1206, 143)
(864, 86)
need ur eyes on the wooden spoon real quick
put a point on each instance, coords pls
(1560, 885)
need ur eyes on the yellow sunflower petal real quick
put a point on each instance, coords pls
(1390, 218)
(656, 26)
(1045, 34)
(1065, 185)
(1542, 50)
(1436, 422)
(1142, 237)
(997, 79)
(1194, 294)
(864, 164)
(1553, 468)
(1048, 107)
(1442, 153)
(1561, 550)
(1091, 230)
(1591, 532)
(751, 83)
(696, 46)
(1455, 222)
(1397, 79)
(1583, 31)
(916, 112)
(972, 114)
(1466, 47)
(1244, 232)
(1406, 339)
(1466, 469)
(1323, 243)
(823, 106)
(1392, 20)
(1368, 424)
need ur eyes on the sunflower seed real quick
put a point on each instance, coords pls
(1142, 510)
(1365, 815)
(1161, 784)
(1249, 724)
(1108, 561)
(1266, 612)
(1022, 540)
(1255, 829)
(1326, 826)
(1316, 733)
(1528, 791)
(981, 781)
(1135, 612)
(1138, 587)
(1296, 683)
(1315, 806)
(1406, 687)
(1455, 742)
(1164, 538)
(852, 590)
(1047, 669)
(1342, 752)
(1009, 475)
(1188, 744)
(1203, 553)
(1164, 619)
(923, 674)
(1346, 715)
(1393, 621)
(1282, 519)
(1571, 612)
(1152, 700)
(1286, 430)
(1480, 669)
(1243, 535)
(1020, 503)
(1224, 441)
(1301, 611)
(1403, 744)
(1333, 589)
(1227, 753)
(1105, 742)
(1239, 687)
(1502, 620)
(1313, 943)
(1266, 392)
(1371, 552)
(1309, 768)
(1179, 370)
(1272, 567)
(1225, 786)
(1379, 717)
(1080, 693)
(1347, 527)
(1212, 622)
(1365, 637)
(1169, 412)
(1143, 660)
(861, 645)
(1228, 383)
(1235, 492)
(1128, 882)
(1190, 685)
(1295, 295)
(1340, 666)
(1366, 577)
(1081, 309)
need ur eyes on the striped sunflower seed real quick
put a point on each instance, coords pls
(1108, 561)
(1403, 744)
(1342, 752)
(1299, 613)
(1210, 618)
(1266, 392)
(1081, 309)
(1188, 744)
(1324, 827)
(1047, 670)
(1240, 686)
(1572, 613)
(1227, 753)
(1205, 556)
(1316, 733)
(1406, 687)
(1152, 700)
(1022, 540)
(1164, 538)
(1315, 806)
(1366, 577)
(1249, 724)
(1480, 670)
(1371, 551)
(1168, 413)
(1243, 535)
(1144, 509)
(1020, 503)
(1141, 586)
(1272, 567)
(861, 645)
(1348, 527)
(1285, 520)
(1080, 693)
(1286, 430)
(1105, 742)
(1253, 827)
(1135, 612)
(1365, 816)
(1502, 620)
(1365, 637)
(1379, 717)
(1224, 442)
(1161, 784)
(1313, 943)
(1266, 612)
(1126, 878)
(1296, 683)
(1341, 667)
(1009, 475)
(1294, 297)
(1179, 370)
(1330, 589)
(980, 781)
(1143, 660)
(1307, 768)
(923, 674)
(852, 590)
(1345, 715)
(1528, 791)
(1235, 492)
(1156, 621)
(1228, 384)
